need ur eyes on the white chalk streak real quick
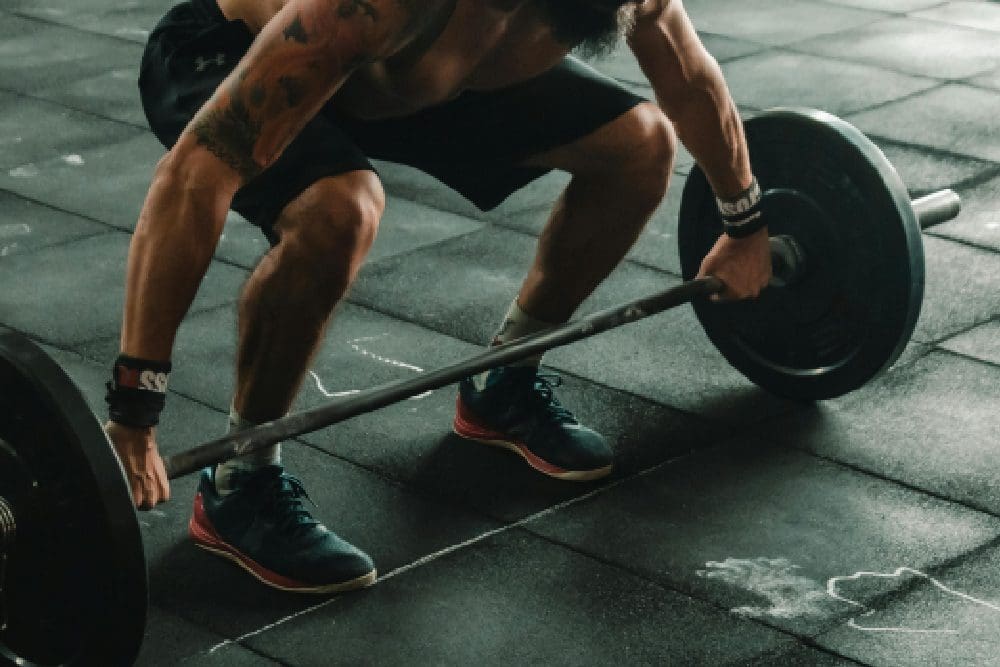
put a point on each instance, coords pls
(24, 171)
(385, 360)
(371, 355)
(424, 560)
(14, 229)
(789, 594)
(833, 583)
(331, 394)
(73, 159)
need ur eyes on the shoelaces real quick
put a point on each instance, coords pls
(543, 392)
(283, 494)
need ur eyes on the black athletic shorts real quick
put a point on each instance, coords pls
(474, 143)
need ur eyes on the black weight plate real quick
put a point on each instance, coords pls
(853, 310)
(75, 586)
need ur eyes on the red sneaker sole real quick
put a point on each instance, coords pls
(204, 536)
(464, 427)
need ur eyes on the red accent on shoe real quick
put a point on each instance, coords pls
(465, 425)
(203, 533)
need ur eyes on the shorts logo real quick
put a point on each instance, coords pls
(202, 64)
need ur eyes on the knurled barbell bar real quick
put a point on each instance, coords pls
(849, 271)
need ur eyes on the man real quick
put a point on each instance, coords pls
(273, 107)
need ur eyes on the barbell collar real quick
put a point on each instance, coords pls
(307, 421)
(937, 207)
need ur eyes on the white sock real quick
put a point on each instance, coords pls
(516, 324)
(247, 463)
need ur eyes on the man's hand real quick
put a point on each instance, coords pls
(136, 449)
(744, 265)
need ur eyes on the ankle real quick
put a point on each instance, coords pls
(227, 473)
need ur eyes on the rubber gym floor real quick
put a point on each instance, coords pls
(737, 529)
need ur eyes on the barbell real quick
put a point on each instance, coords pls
(847, 290)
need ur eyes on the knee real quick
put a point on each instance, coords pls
(647, 156)
(334, 221)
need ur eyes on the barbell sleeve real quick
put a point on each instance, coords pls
(307, 421)
(937, 207)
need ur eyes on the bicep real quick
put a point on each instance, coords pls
(295, 64)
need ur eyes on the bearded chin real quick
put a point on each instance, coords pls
(591, 31)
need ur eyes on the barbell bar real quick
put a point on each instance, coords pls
(848, 282)
(932, 209)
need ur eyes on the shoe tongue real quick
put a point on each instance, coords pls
(512, 375)
(265, 476)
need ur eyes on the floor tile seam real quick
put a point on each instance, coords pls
(803, 642)
(938, 342)
(28, 251)
(912, 15)
(988, 164)
(824, 627)
(795, 49)
(901, 13)
(80, 110)
(937, 85)
(728, 429)
(895, 481)
(675, 588)
(513, 227)
(883, 16)
(444, 501)
(441, 553)
(496, 220)
(266, 656)
(59, 209)
(965, 356)
(72, 347)
(701, 419)
(935, 571)
(888, 15)
(800, 48)
(197, 623)
(27, 16)
(953, 237)
(989, 171)
(110, 226)
(969, 81)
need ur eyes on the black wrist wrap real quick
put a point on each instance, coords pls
(137, 391)
(743, 215)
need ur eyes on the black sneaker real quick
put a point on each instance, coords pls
(516, 408)
(264, 527)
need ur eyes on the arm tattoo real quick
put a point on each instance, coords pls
(294, 89)
(349, 8)
(230, 133)
(296, 32)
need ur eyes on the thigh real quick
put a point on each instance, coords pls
(480, 143)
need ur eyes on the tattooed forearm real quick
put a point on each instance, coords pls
(294, 89)
(349, 8)
(231, 133)
(296, 32)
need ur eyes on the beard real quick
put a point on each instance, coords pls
(592, 27)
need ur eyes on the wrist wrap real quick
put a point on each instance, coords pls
(137, 391)
(743, 215)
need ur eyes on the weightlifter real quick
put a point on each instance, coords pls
(274, 108)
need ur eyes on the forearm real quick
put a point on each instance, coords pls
(692, 92)
(709, 125)
(173, 244)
